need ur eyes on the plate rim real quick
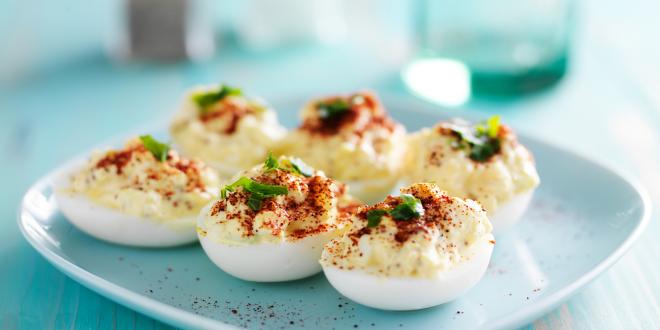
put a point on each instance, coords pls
(181, 318)
(134, 300)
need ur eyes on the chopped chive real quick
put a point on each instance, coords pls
(158, 149)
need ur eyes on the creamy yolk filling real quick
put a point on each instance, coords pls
(350, 138)
(435, 156)
(134, 182)
(421, 246)
(231, 133)
(311, 205)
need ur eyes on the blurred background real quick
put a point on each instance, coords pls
(579, 73)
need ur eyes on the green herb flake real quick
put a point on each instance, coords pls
(410, 207)
(481, 140)
(241, 182)
(206, 99)
(158, 149)
(271, 163)
(292, 165)
(301, 167)
(268, 190)
(254, 201)
(493, 124)
(258, 191)
(332, 108)
(374, 217)
(483, 152)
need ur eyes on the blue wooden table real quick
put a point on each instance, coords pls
(608, 107)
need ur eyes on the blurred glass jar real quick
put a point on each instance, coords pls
(162, 30)
(507, 47)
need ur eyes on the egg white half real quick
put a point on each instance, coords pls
(113, 226)
(268, 262)
(407, 293)
(510, 212)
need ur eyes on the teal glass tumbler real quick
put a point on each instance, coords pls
(506, 47)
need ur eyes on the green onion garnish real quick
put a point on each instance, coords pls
(158, 149)
(332, 108)
(206, 99)
(410, 207)
(258, 191)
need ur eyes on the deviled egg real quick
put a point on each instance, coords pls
(225, 128)
(352, 139)
(413, 251)
(271, 223)
(142, 195)
(482, 161)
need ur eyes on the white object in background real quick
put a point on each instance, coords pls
(269, 24)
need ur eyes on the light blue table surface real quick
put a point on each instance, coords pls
(51, 107)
